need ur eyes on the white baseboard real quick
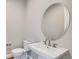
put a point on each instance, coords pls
(8, 55)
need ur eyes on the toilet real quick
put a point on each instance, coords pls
(20, 53)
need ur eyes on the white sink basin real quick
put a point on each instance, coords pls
(47, 53)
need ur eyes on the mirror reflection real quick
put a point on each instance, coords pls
(55, 21)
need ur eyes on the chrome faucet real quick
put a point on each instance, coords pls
(47, 42)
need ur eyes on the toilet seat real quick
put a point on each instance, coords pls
(18, 51)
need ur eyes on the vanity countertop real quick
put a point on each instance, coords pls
(49, 52)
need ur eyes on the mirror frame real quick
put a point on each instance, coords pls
(45, 13)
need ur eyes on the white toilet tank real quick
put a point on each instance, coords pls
(26, 43)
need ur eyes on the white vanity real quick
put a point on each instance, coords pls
(49, 53)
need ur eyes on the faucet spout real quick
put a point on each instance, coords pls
(49, 43)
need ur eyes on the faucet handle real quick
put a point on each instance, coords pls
(55, 45)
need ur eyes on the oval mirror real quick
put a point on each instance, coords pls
(55, 21)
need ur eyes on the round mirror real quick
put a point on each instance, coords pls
(55, 21)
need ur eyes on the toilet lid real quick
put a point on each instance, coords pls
(18, 50)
